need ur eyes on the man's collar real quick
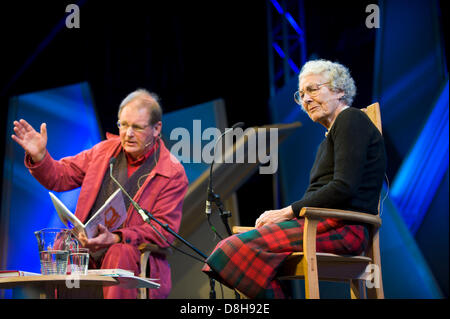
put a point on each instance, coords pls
(135, 162)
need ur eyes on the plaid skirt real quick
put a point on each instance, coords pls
(249, 261)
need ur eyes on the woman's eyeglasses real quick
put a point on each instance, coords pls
(312, 90)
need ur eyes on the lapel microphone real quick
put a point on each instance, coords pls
(154, 140)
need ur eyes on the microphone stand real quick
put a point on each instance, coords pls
(172, 232)
(212, 197)
(224, 215)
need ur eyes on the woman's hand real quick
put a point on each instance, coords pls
(275, 216)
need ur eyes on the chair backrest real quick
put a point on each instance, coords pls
(373, 112)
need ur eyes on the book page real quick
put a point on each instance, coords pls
(111, 215)
(137, 282)
(110, 272)
(66, 216)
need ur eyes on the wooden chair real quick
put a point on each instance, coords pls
(359, 271)
(146, 249)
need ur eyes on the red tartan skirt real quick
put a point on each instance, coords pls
(249, 261)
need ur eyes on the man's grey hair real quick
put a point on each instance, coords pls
(337, 74)
(147, 99)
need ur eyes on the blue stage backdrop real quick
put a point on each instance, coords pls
(26, 206)
(186, 126)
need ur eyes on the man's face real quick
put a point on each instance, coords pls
(136, 134)
(319, 101)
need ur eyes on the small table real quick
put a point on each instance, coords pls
(60, 286)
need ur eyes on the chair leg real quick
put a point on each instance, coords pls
(358, 289)
(312, 282)
(310, 259)
(376, 291)
(144, 260)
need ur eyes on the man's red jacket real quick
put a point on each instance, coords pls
(162, 194)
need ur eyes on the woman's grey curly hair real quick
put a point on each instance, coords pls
(337, 74)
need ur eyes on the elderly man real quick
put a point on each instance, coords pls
(347, 174)
(144, 166)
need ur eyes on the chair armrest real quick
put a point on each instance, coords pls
(322, 213)
(154, 249)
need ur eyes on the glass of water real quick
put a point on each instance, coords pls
(78, 261)
(54, 262)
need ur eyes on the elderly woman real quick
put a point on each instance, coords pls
(347, 174)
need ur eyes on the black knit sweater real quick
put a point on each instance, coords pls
(349, 168)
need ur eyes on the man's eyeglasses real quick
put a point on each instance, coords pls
(312, 90)
(136, 128)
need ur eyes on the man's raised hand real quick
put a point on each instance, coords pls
(34, 143)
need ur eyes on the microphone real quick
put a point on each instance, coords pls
(154, 140)
(209, 193)
(141, 212)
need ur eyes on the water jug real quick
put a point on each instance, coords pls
(54, 245)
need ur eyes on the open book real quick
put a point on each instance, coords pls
(111, 215)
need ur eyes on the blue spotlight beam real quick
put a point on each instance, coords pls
(422, 170)
(72, 124)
